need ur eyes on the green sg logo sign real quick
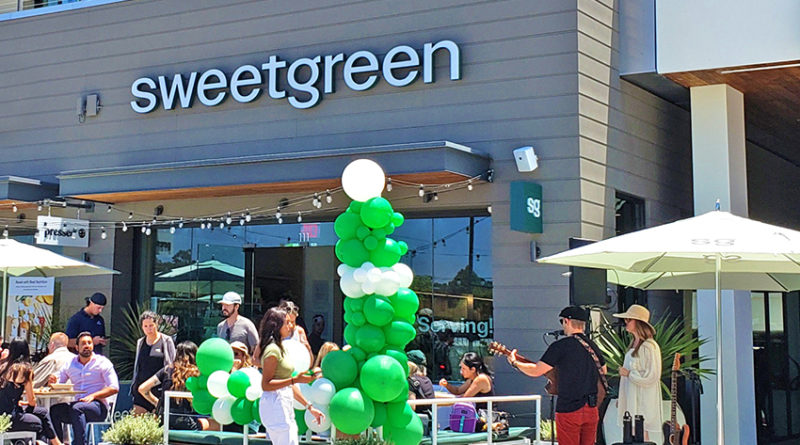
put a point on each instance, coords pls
(526, 207)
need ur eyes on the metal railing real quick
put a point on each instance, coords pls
(434, 403)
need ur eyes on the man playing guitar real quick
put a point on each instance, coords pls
(576, 408)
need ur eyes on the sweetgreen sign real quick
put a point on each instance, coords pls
(526, 207)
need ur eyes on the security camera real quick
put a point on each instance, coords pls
(526, 159)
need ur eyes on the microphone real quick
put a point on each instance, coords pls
(556, 333)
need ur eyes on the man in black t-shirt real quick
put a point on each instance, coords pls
(576, 407)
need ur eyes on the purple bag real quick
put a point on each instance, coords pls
(463, 417)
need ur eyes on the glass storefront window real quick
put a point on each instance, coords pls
(451, 259)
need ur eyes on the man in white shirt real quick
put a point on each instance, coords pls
(94, 377)
(57, 359)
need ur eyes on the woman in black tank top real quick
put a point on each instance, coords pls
(478, 380)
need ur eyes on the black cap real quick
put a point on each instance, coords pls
(574, 313)
(98, 298)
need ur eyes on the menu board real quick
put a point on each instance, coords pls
(29, 309)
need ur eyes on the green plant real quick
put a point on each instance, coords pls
(143, 429)
(5, 423)
(364, 439)
(123, 346)
(547, 429)
(672, 337)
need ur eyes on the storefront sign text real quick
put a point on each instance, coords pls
(55, 231)
(400, 67)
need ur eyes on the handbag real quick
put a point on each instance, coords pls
(602, 383)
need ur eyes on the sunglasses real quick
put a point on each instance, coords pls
(228, 334)
(238, 354)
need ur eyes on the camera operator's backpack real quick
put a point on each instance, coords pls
(463, 417)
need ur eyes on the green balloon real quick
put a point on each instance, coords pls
(358, 318)
(256, 412)
(242, 411)
(191, 384)
(403, 397)
(378, 311)
(353, 304)
(376, 212)
(382, 378)
(346, 225)
(399, 414)
(238, 383)
(370, 338)
(403, 247)
(351, 412)
(358, 354)
(386, 255)
(400, 356)
(380, 415)
(203, 401)
(362, 232)
(355, 206)
(398, 219)
(214, 354)
(410, 434)
(370, 242)
(300, 420)
(405, 302)
(346, 318)
(407, 319)
(340, 368)
(351, 252)
(389, 228)
(350, 332)
(379, 234)
(399, 333)
(202, 381)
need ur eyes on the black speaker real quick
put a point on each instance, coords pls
(587, 286)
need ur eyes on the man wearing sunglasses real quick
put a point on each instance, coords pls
(236, 327)
(577, 368)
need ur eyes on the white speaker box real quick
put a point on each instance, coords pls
(526, 159)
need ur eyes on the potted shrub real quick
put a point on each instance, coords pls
(144, 429)
(370, 438)
(548, 431)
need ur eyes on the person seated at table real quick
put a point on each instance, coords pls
(241, 358)
(477, 379)
(419, 385)
(326, 348)
(57, 358)
(16, 379)
(173, 378)
(94, 376)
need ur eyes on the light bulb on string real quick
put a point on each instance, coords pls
(489, 209)
(389, 185)
(14, 208)
(155, 220)
(144, 228)
(124, 227)
(278, 214)
(469, 185)
(247, 216)
(435, 196)
(221, 224)
(108, 209)
(148, 231)
(280, 220)
(5, 232)
(241, 221)
(202, 226)
(421, 191)
(328, 197)
(103, 234)
(130, 215)
(39, 208)
(299, 217)
(172, 229)
(228, 219)
(180, 224)
(315, 202)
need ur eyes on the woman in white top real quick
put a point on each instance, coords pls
(640, 374)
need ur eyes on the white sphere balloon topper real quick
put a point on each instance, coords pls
(363, 179)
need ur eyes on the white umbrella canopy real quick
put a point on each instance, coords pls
(716, 244)
(759, 281)
(22, 259)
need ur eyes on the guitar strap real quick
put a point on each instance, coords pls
(596, 360)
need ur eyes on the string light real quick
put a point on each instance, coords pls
(202, 226)
(299, 217)
(124, 227)
(172, 229)
(228, 220)
(130, 215)
(155, 220)
(5, 232)
(469, 185)
(489, 209)
(144, 229)
(241, 221)
(280, 220)
(14, 208)
(103, 234)
(221, 225)
(148, 231)
(328, 196)
(389, 185)
(39, 208)
(108, 210)
(421, 191)
(315, 202)
(435, 196)
(180, 224)
(247, 216)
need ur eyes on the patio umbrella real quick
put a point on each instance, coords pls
(20, 259)
(716, 243)
(769, 282)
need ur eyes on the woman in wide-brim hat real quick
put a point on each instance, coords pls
(640, 374)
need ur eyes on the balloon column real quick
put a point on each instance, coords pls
(370, 378)
(227, 397)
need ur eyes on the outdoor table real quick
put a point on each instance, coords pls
(47, 396)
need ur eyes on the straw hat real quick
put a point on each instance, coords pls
(239, 346)
(636, 312)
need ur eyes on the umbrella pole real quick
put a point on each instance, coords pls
(3, 304)
(720, 409)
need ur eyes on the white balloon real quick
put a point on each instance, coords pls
(322, 392)
(368, 287)
(305, 390)
(374, 275)
(360, 275)
(406, 275)
(344, 269)
(218, 384)
(298, 354)
(351, 287)
(387, 286)
(363, 179)
(366, 265)
(253, 393)
(221, 411)
(312, 422)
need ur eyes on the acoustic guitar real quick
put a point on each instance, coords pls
(552, 375)
(675, 434)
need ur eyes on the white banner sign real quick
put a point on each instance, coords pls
(29, 309)
(55, 231)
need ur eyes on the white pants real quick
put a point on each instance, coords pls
(277, 415)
